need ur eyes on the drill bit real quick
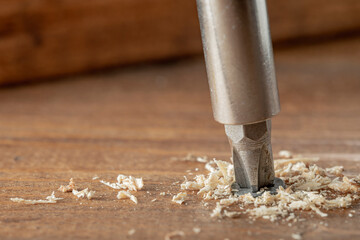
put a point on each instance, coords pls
(252, 158)
(240, 68)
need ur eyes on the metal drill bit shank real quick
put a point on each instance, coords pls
(239, 60)
(252, 157)
(240, 68)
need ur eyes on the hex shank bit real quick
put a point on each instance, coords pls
(243, 88)
(252, 158)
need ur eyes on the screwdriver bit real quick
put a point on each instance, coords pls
(243, 88)
(252, 158)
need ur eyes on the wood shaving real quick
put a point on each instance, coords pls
(337, 170)
(216, 185)
(154, 200)
(296, 236)
(49, 199)
(127, 194)
(230, 214)
(285, 154)
(69, 188)
(162, 193)
(196, 230)
(310, 188)
(131, 232)
(180, 198)
(174, 235)
(126, 182)
(344, 185)
(271, 213)
(84, 193)
(217, 212)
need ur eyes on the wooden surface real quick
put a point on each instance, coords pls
(133, 120)
(41, 38)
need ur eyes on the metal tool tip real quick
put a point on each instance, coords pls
(252, 158)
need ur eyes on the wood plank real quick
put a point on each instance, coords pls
(40, 38)
(44, 38)
(132, 121)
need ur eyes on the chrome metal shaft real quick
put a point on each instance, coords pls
(239, 60)
(240, 68)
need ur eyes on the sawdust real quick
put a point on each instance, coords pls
(196, 230)
(68, 188)
(131, 232)
(296, 236)
(126, 182)
(49, 199)
(285, 154)
(336, 171)
(180, 198)
(84, 193)
(127, 194)
(309, 188)
(79, 194)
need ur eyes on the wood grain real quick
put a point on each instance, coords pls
(41, 38)
(132, 121)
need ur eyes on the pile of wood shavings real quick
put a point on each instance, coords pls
(309, 187)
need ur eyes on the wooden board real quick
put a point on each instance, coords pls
(133, 121)
(41, 38)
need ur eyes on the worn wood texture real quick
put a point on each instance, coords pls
(41, 38)
(132, 121)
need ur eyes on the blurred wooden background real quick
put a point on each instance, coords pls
(49, 38)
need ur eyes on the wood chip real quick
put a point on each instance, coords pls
(84, 193)
(285, 154)
(131, 232)
(68, 188)
(49, 199)
(127, 194)
(125, 182)
(180, 198)
(296, 236)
